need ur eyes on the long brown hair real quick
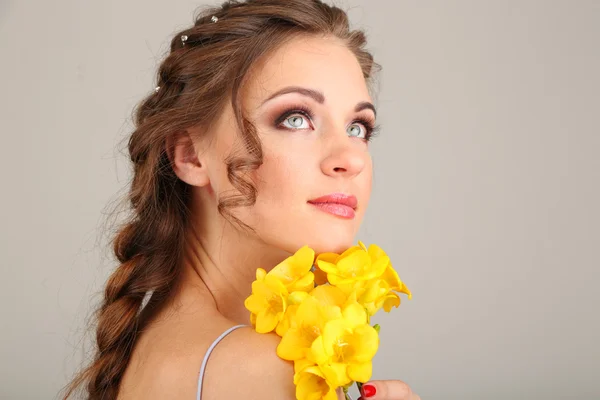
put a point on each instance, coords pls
(200, 73)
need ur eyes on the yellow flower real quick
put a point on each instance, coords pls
(355, 264)
(325, 329)
(329, 295)
(289, 317)
(345, 350)
(268, 301)
(390, 276)
(295, 271)
(312, 385)
(309, 320)
(320, 275)
(378, 292)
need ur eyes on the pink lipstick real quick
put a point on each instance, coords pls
(341, 205)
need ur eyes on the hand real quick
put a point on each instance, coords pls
(387, 390)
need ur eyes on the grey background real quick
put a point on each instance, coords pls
(486, 191)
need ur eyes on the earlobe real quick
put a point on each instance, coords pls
(185, 161)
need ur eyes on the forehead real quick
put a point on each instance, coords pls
(322, 63)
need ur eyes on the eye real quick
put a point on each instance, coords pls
(357, 130)
(296, 121)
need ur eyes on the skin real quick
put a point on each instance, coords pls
(304, 158)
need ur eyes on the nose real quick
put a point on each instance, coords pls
(344, 158)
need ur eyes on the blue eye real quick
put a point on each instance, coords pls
(296, 121)
(357, 130)
(300, 117)
(297, 117)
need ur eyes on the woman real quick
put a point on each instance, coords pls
(254, 144)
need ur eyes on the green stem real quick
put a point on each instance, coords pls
(346, 395)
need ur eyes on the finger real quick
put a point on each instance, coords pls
(387, 390)
(414, 397)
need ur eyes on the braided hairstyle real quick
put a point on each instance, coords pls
(205, 68)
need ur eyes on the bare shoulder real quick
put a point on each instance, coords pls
(244, 364)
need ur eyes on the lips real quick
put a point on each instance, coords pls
(339, 204)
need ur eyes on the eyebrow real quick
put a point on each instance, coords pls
(317, 96)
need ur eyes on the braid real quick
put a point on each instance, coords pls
(148, 249)
(196, 79)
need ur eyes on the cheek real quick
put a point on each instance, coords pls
(365, 184)
(279, 180)
(369, 176)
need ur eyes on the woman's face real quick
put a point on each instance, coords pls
(311, 107)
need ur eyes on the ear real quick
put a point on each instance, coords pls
(185, 161)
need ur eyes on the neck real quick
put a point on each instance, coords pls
(222, 268)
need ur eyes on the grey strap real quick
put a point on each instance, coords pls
(210, 349)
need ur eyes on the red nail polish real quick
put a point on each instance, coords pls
(369, 390)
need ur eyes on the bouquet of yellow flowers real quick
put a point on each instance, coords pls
(321, 310)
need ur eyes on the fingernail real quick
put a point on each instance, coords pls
(369, 390)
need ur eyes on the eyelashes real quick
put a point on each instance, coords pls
(371, 129)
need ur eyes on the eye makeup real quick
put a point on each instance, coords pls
(371, 129)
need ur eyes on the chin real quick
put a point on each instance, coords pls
(322, 235)
(330, 242)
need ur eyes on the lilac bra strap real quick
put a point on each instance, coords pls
(210, 349)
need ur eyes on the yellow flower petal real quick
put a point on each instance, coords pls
(332, 332)
(336, 279)
(372, 291)
(405, 290)
(371, 308)
(390, 276)
(329, 295)
(311, 386)
(293, 345)
(328, 257)
(303, 364)
(355, 314)
(304, 257)
(360, 372)
(255, 304)
(266, 322)
(331, 395)
(379, 267)
(260, 274)
(349, 251)
(391, 300)
(320, 276)
(295, 271)
(297, 264)
(376, 252)
(318, 353)
(261, 289)
(305, 283)
(336, 374)
(354, 265)
(288, 320)
(327, 266)
(297, 297)
(307, 314)
(365, 341)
